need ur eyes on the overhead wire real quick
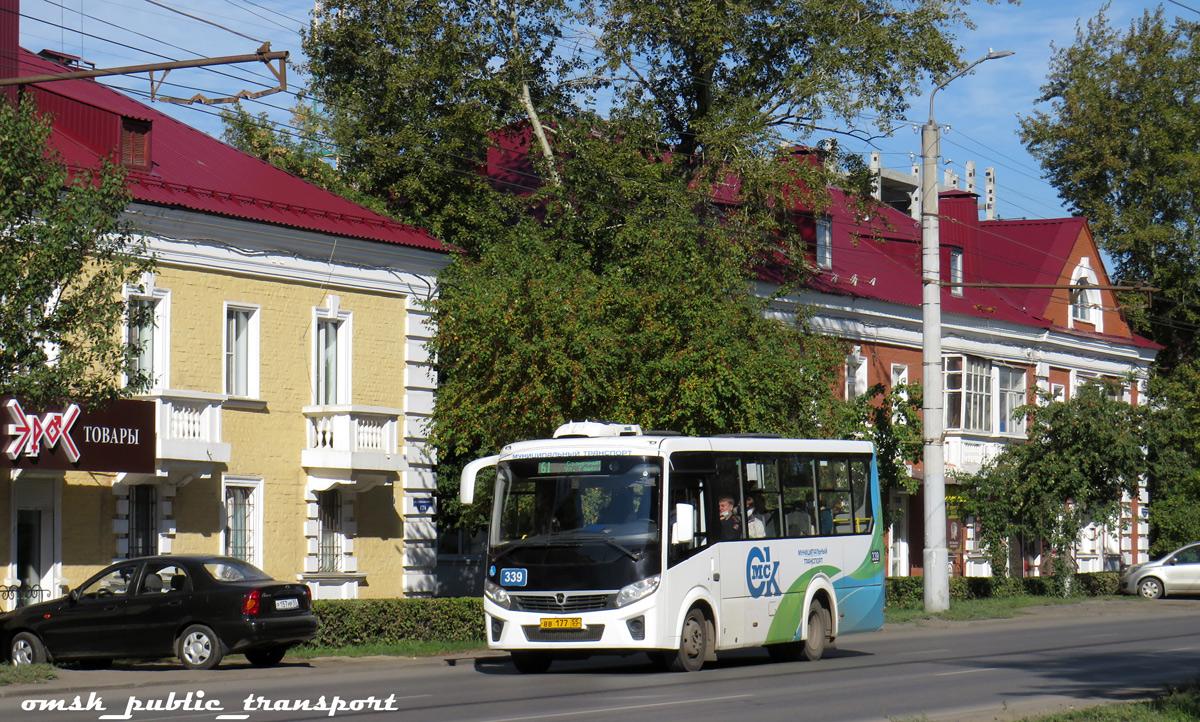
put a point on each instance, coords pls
(280, 127)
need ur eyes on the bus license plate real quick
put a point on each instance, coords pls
(562, 623)
(288, 603)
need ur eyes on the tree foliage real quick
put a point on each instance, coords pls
(1118, 140)
(301, 153)
(611, 276)
(1173, 477)
(1081, 456)
(65, 258)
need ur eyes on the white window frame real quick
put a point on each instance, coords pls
(1009, 397)
(956, 271)
(250, 350)
(824, 245)
(856, 374)
(1085, 303)
(972, 394)
(160, 346)
(332, 313)
(255, 517)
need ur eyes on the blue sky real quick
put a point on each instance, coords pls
(982, 109)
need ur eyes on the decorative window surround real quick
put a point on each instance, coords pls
(342, 582)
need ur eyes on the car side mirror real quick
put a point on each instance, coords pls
(683, 529)
(73, 596)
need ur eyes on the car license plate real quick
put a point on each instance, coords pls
(562, 623)
(289, 603)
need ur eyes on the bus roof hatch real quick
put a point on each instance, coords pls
(594, 429)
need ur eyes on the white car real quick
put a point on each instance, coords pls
(1176, 573)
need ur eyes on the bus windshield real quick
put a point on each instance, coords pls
(578, 498)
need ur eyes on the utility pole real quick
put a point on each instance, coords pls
(936, 556)
(264, 55)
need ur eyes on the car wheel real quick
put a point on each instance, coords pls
(693, 644)
(199, 648)
(531, 662)
(818, 629)
(1150, 588)
(26, 648)
(267, 657)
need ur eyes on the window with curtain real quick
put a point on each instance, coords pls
(143, 334)
(237, 351)
(328, 331)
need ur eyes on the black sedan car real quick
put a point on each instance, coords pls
(198, 608)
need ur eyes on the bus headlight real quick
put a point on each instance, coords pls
(497, 594)
(637, 590)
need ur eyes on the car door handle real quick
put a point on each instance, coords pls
(174, 603)
(111, 608)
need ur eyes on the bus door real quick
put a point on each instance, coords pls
(693, 563)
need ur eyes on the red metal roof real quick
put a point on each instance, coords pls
(194, 171)
(879, 257)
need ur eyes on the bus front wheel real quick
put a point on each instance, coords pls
(693, 644)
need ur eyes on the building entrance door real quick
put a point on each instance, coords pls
(34, 540)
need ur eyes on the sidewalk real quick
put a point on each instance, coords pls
(170, 673)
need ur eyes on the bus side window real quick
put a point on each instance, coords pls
(797, 507)
(860, 492)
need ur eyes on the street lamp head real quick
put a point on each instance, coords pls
(993, 54)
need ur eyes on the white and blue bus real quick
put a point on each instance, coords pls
(605, 539)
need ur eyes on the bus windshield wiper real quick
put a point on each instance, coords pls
(615, 545)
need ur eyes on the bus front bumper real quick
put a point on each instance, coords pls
(633, 627)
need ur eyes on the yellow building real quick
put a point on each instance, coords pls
(291, 383)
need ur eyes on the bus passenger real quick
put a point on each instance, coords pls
(755, 527)
(731, 525)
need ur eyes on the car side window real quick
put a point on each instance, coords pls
(112, 584)
(1188, 556)
(163, 579)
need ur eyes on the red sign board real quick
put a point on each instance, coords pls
(117, 438)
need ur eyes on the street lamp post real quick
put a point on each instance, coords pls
(937, 556)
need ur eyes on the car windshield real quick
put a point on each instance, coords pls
(563, 499)
(234, 570)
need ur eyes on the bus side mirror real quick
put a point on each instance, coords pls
(683, 528)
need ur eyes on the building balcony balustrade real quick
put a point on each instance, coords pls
(344, 439)
(188, 429)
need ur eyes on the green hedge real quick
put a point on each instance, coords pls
(347, 622)
(910, 591)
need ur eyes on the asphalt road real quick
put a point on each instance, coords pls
(1055, 658)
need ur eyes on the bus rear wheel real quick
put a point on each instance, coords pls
(818, 630)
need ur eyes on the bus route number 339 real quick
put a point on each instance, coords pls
(512, 577)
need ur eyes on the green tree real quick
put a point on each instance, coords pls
(1081, 456)
(1118, 140)
(302, 153)
(610, 276)
(1173, 478)
(65, 258)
